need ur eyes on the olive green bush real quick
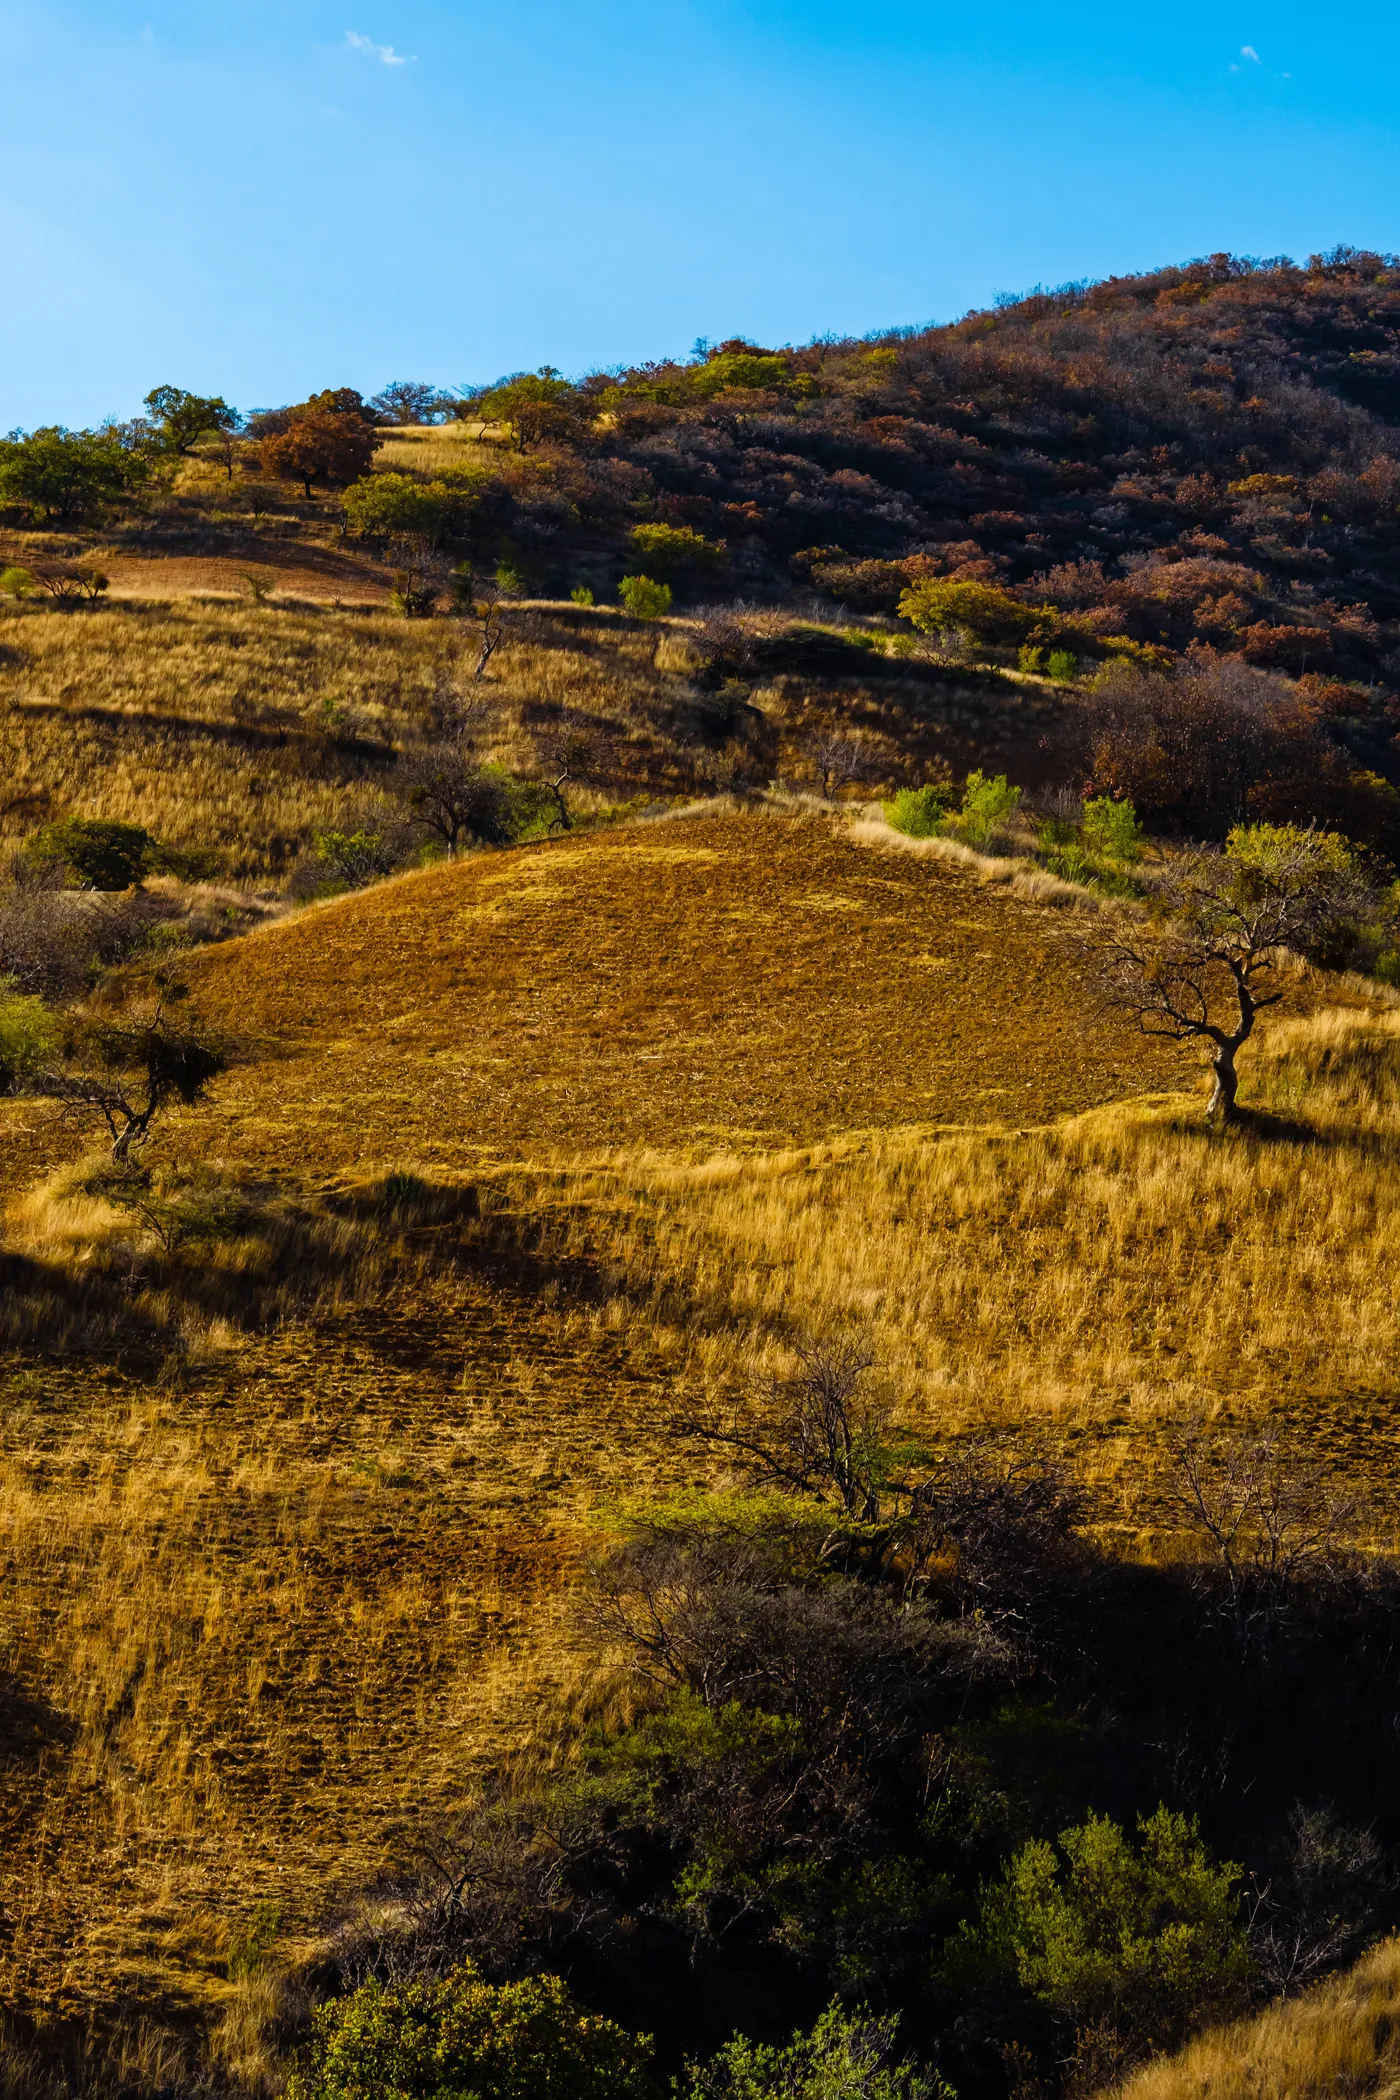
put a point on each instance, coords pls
(462, 2038)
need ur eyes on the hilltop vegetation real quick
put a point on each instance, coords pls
(645, 1434)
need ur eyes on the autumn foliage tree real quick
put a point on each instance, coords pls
(331, 437)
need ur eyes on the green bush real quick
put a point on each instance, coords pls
(1062, 665)
(1031, 658)
(581, 595)
(920, 811)
(845, 2057)
(1110, 832)
(674, 552)
(643, 598)
(465, 2039)
(353, 858)
(988, 613)
(95, 852)
(28, 1036)
(17, 582)
(987, 804)
(1136, 1945)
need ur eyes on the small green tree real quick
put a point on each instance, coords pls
(920, 812)
(676, 553)
(644, 598)
(1128, 1947)
(18, 583)
(845, 2057)
(988, 803)
(1111, 833)
(29, 1036)
(991, 615)
(465, 2039)
(1204, 966)
(395, 506)
(183, 418)
(95, 853)
(353, 858)
(67, 475)
(536, 405)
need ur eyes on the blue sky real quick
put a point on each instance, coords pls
(260, 197)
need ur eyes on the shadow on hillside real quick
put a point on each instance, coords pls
(242, 735)
(29, 1726)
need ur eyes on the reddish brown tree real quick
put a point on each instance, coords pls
(331, 437)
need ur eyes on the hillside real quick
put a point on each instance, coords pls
(686, 1362)
(656, 1101)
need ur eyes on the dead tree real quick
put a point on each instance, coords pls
(1267, 1517)
(128, 1072)
(566, 754)
(449, 789)
(838, 758)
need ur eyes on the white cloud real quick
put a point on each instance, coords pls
(385, 53)
(1248, 51)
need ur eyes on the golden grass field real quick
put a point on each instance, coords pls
(242, 728)
(289, 1526)
(678, 1094)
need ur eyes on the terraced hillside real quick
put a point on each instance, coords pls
(532, 1148)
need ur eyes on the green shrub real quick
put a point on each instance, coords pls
(675, 552)
(643, 598)
(1132, 1945)
(28, 1036)
(1111, 832)
(990, 614)
(845, 2057)
(581, 595)
(353, 857)
(1387, 966)
(1031, 658)
(1062, 665)
(921, 811)
(95, 852)
(17, 583)
(987, 804)
(465, 2039)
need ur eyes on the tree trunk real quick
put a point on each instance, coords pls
(1222, 1100)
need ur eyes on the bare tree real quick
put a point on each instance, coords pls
(837, 758)
(128, 1072)
(816, 1434)
(451, 792)
(567, 752)
(1322, 1901)
(1207, 962)
(1268, 1517)
(483, 602)
(420, 574)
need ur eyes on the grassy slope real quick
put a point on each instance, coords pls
(244, 729)
(268, 1594)
(1339, 2042)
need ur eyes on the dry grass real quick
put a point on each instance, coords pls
(1340, 2042)
(678, 1093)
(247, 728)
